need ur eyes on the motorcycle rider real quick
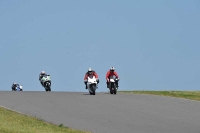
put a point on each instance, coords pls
(41, 75)
(14, 85)
(110, 73)
(88, 73)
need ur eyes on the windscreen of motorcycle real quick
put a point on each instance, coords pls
(113, 77)
(91, 76)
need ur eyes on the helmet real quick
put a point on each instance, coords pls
(43, 72)
(14, 83)
(90, 70)
(112, 69)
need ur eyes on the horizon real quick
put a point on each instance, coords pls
(153, 45)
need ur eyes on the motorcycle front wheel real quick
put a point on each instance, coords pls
(47, 87)
(115, 90)
(93, 88)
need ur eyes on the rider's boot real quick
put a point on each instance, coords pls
(85, 85)
(107, 84)
(117, 85)
(42, 84)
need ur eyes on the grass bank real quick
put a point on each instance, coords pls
(12, 122)
(192, 95)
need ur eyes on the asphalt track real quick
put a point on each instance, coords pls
(105, 113)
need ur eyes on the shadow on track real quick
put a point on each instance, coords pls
(106, 93)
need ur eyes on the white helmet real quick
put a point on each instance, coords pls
(112, 69)
(90, 69)
(43, 72)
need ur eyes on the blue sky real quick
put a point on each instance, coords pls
(154, 45)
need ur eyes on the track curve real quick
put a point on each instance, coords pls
(105, 113)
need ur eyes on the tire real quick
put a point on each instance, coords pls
(93, 89)
(115, 90)
(111, 87)
(47, 87)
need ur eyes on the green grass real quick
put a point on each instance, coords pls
(192, 95)
(12, 122)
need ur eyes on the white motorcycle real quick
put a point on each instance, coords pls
(113, 87)
(18, 88)
(92, 84)
(46, 81)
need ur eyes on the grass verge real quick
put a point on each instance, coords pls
(192, 95)
(12, 122)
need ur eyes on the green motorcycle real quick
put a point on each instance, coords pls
(46, 80)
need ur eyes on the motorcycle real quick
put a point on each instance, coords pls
(92, 85)
(18, 88)
(46, 82)
(112, 85)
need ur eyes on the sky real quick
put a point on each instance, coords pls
(153, 45)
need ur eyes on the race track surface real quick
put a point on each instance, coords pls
(106, 113)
